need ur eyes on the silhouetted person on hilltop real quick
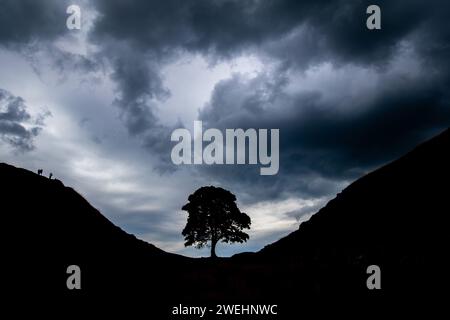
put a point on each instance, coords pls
(50, 176)
(213, 217)
(40, 172)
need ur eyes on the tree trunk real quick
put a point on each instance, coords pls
(213, 249)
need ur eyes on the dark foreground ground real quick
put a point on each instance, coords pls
(393, 217)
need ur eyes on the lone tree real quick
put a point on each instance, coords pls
(213, 217)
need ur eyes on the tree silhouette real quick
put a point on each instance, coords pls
(213, 217)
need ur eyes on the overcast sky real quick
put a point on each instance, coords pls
(96, 106)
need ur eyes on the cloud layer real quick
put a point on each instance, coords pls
(17, 128)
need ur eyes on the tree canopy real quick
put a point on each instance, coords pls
(214, 217)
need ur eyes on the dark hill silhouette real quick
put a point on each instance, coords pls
(48, 227)
(392, 217)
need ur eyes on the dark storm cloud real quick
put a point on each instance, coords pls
(26, 21)
(319, 140)
(13, 119)
(139, 37)
(297, 33)
(32, 28)
(139, 86)
(334, 29)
